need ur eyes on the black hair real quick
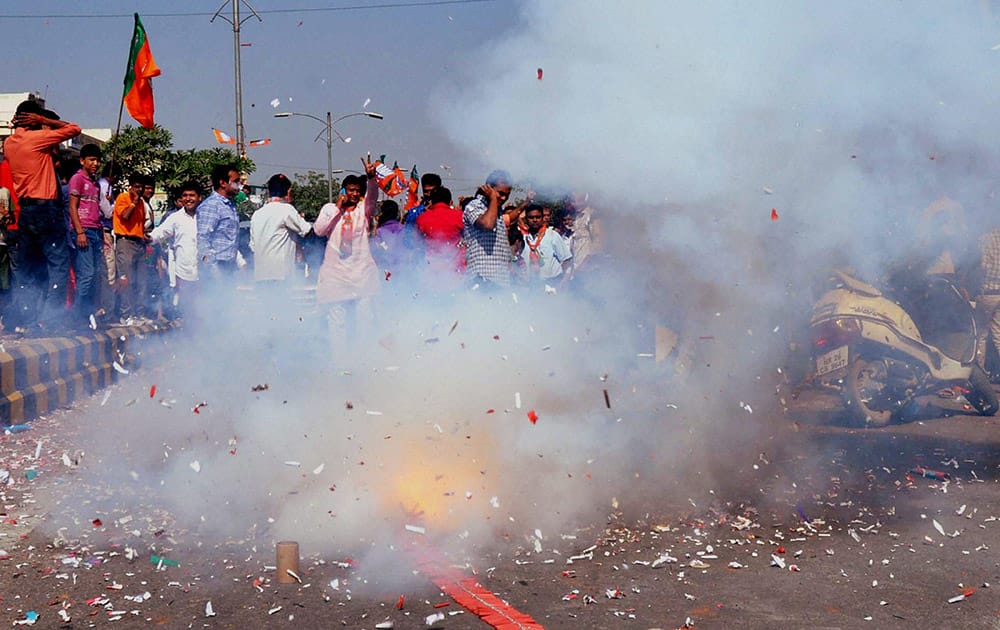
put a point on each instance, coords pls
(535, 206)
(352, 179)
(190, 185)
(559, 215)
(440, 195)
(220, 174)
(278, 185)
(28, 107)
(90, 150)
(430, 179)
(388, 211)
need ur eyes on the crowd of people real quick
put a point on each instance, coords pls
(78, 253)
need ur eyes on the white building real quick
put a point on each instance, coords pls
(8, 105)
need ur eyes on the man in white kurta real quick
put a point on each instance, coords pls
(271, 230)
(348, 278)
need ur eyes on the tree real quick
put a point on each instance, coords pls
(139, 150)
(150, 152)
(309, 193)
(197, 164)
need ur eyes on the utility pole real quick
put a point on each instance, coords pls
(241, 147)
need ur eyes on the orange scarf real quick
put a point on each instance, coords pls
(347, 233)
(534, 256)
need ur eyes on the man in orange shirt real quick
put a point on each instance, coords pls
(129, 219)
(43, 253)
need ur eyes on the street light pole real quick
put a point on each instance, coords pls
(237, 23)
(328, 129)
(329, 159)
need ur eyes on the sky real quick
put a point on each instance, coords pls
(312, 61)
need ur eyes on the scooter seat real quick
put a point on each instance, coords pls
(857, 286)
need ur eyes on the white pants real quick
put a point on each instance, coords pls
(351, 326)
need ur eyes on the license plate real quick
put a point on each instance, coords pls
(831, 361)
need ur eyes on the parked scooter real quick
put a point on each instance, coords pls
(881, 355)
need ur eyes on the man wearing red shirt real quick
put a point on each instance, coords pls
(42, 252)
(441, 226)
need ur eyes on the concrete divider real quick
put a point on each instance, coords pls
(39, 375)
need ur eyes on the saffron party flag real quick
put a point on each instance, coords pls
(138, 94)
(223, 137)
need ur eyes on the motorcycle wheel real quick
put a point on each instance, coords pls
(865, 387)
(982, 397)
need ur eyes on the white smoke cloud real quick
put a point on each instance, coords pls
(837, 108)
(675, 117)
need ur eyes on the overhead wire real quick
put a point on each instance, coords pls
(353, 7)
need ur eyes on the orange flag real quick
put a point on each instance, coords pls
(223, 137)
(138, 95)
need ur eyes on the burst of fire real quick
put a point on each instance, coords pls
(443, 491)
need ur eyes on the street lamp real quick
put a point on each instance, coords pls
(330, 131)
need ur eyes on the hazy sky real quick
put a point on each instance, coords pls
(314, 61)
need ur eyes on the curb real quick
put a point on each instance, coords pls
(39, 375)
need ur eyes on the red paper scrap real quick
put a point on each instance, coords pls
(532, 416)
(97, 522)
(152, 391)
(540, 72)
(399, 604)
(774, 214)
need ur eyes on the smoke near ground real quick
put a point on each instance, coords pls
(686, 125)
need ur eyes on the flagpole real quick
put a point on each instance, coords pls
(121, 105)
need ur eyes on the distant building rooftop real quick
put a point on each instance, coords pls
(9, 103)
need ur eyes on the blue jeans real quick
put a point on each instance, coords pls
(42, 271)
(87, 265)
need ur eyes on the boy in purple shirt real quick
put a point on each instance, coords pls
(85, 218)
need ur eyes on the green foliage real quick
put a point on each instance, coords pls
(197, 164)
(150, 152)
(139, 150)
(309, 193)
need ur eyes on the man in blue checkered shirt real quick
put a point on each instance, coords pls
(488, 256)
(219, 227)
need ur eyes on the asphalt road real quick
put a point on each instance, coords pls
(814, 525)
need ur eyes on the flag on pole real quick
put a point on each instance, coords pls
(412, 186)
(260, 142)
(138, 94)
(223, 137)
(382, 171)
